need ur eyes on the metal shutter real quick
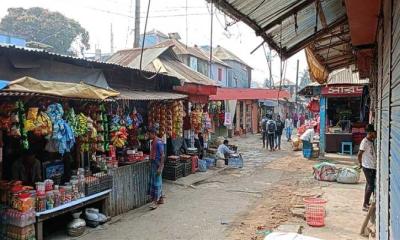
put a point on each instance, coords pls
(394, 200)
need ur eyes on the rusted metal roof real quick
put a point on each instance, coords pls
(63, 58)
(148, 95)
(287, 25)
(181, 49)
(163, 60)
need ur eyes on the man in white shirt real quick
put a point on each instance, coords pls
(288, 127)
(223, 151)
(367, 160)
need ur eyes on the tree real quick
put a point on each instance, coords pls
(304, 78)
(51, 28)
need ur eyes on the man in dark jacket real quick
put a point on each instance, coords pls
(279, 130)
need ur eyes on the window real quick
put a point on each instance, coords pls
(219, 74)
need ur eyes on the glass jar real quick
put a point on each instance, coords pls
(49, 200)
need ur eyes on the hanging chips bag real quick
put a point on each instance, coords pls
(32, 114)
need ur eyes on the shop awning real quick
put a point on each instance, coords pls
(127, 94)
(287, 25)
(60, 89)
(249, 94)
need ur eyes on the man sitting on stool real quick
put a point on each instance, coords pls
(223, 151)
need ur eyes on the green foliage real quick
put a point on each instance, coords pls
(41, 25)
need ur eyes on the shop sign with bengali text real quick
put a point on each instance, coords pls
(342, 90)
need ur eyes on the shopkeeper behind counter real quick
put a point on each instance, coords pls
(27, 169)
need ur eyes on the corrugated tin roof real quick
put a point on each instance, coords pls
(185, 73)
(346, 76)
(225, 54)
(181, 49)
(166, 62)
(286, 25)
(334, 50)
(6, 93)
(148, 95)
(66, 58)
(341, 76)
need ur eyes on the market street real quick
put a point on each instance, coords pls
(223, 206)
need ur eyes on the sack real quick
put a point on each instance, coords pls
(271, 127)
(348, 175)
(325, 172)
(202, 165)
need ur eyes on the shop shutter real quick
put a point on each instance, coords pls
(380, 213)
(385, 122)
(394, 204)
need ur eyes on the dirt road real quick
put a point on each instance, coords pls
(233, 204)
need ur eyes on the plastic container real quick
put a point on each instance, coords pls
(24, 202)
(48, 184)
(40, 202)
(49, 200)
(40, 188)
(315, 211)
(19, 219)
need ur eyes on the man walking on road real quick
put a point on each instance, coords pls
(278, 133)
(288, 127)
(264, 130)
(157, 166)
(271, 130)
(367, 159)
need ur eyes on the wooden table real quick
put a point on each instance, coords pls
(68, 207)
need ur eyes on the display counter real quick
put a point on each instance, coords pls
(69, 207)
(334, 141)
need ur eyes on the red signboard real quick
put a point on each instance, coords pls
(342, 90)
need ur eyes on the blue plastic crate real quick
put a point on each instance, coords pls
(210, 162)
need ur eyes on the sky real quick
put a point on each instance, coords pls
(167, 16)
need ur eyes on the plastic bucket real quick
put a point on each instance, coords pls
(315, 211)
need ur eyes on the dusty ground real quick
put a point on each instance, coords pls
(240, 203)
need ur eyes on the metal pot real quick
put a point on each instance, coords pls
(77, 226)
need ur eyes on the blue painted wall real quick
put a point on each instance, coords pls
(214, 74)
(7, 39)
(151, 40)
(238, 75)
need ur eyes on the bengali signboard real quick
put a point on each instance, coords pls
(342, 90)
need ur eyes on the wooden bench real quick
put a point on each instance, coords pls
(69, 207)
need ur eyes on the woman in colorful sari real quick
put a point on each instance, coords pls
(157, 165)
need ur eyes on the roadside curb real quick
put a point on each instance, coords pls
(195, 181)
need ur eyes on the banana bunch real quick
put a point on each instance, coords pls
(119, 138)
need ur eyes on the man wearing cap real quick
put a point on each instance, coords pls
(367, 160)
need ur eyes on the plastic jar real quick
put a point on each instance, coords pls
(48, 184)
(40, 202)
(40, 187)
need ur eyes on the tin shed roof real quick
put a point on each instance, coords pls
(287, 25)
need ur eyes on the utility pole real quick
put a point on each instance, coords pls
(137, 24)
(111, 39)
(211, 37)
(297, 85)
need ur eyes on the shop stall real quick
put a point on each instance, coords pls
(343, 117)
(51, 135)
